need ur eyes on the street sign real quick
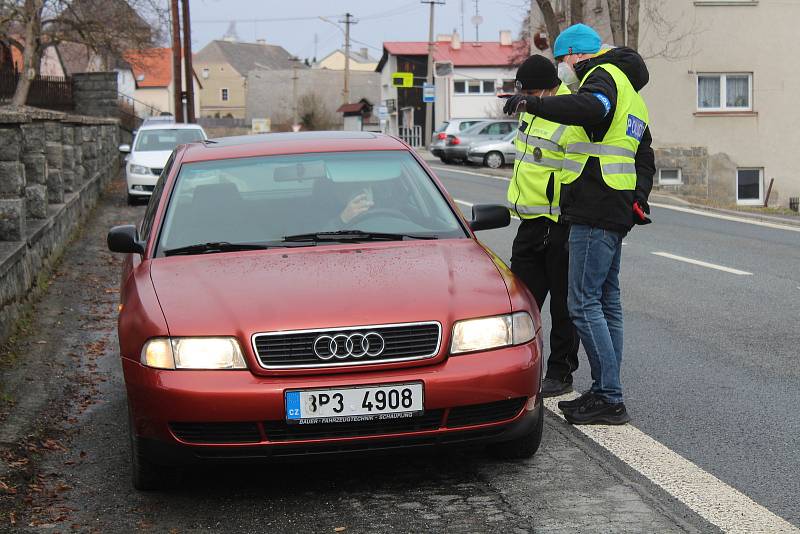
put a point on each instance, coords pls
(443, 69)
(403, 79)
(428, 92)
(383, 112)
(261, 126)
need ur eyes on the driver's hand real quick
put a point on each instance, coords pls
(358, 205)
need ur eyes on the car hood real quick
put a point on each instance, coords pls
(242, 293)
(156, 159)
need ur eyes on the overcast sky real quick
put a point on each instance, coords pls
(379, 20)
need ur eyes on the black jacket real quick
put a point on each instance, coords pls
(588, 200)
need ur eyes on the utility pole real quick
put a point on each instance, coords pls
(294, 90)
(177, 84)
(187, 61)
(429, 77)
(348, 20)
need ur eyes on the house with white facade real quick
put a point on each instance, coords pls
(467, 79)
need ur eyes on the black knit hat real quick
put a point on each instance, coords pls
(537, 72)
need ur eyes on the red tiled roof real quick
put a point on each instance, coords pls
(471, 54)
(151, 67)
(351, 108)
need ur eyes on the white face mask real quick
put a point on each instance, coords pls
(567, 74)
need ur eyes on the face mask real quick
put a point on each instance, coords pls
(566, 74)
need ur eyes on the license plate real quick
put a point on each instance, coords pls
(390, 401)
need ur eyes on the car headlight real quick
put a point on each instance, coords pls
(193, 353)
(138, 169)
(486, 333)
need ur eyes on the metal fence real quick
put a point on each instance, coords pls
(222, 122)
(50, 92)
(412, 135)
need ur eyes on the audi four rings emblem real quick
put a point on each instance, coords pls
(341, 346)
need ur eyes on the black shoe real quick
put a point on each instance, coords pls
(596, 411)
(577, 402)
(553, 388)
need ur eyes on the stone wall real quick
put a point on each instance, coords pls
(95, 93)
(53, 167)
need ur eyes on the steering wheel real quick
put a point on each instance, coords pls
(380, 212)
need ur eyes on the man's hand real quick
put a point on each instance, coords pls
(358, 205)
(639, 210)
(517, 101)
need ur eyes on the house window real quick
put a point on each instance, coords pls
(509, 86)
(478, 87)
(488, 87)
(474, 87)
(459, 87)
(724, 92)
(223, 94)
(749, 186)
(669, 176)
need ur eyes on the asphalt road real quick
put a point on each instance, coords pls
(71, 472)
(712, 358)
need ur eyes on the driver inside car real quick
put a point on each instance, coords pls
(361, 203)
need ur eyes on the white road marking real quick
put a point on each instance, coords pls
(712, 499)
(727, 217)
(702, 263)
(439, 167)
(693, 211)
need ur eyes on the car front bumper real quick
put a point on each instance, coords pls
(140, 184)
(491, 396)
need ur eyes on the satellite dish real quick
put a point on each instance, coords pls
(477, 20)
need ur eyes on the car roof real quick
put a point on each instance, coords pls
(284, 143)
(164, 125)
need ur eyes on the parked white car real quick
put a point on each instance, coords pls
(150, 151)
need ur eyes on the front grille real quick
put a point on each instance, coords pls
(216, 432)
(283, 431)
(296, 349)
(155, 171)
(477, 414)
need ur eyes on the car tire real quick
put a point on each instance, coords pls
(524, 446)
(494, 160)
(132, 200)
(445, 159)
(146, 475)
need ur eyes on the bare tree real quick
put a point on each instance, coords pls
(550, 20)
(315, 115)
(615, 20)
(632, 35)
(106, 27)
(575, 11)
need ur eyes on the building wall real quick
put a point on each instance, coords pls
(335, 61)
(734, 39)
(221, 76)
(470, 105)
(389, 93)
(155, 97)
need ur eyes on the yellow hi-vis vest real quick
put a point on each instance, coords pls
(617, 150)
(535, 190)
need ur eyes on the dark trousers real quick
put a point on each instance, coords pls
(540, 258)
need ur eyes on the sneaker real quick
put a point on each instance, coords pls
(577, 402)
(596, 411)
(553, 388)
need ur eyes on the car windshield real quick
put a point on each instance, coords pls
(166, 139)
(442, 127)
(279, 199)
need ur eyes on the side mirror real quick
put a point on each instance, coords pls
(489, 216)
(125, 148)
(125, 239)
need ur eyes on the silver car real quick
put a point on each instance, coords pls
(456, 146)
(493, 154)
(449, 127)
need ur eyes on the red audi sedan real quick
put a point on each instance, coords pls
(294, 295)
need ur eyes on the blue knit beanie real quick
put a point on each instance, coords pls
(577, 39)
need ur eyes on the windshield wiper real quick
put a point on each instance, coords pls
(355, 235)
(218, 246)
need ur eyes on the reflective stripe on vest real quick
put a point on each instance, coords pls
(619, 168)
(549, 162)
(534, 210)
(538, 141)
(596, 149)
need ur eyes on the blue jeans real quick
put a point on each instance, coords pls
(595, 305)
